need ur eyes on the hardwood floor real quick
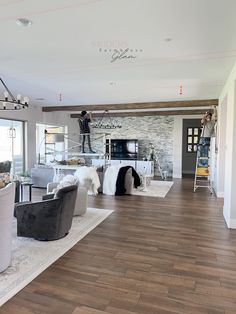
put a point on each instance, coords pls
(152, 255)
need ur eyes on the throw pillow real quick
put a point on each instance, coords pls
(4, 179)
(66, 181)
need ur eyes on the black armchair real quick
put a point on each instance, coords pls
(48, 219)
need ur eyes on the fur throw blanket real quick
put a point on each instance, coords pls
(66, 181)
(110, 177)
(88, 177)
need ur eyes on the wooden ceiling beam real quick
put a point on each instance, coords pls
(148, 113)
(135, 106)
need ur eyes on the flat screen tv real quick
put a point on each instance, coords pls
(123, 148)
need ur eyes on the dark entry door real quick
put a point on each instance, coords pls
(191, 135)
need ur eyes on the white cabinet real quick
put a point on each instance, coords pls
(114, 162)
(101, 162)
(131, 163)
(98, 162)
(144, 167)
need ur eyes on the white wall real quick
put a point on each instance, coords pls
(229, 93)
(147, 129)
(35, 115)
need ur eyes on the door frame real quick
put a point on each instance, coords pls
(24, 126)
(178, 143)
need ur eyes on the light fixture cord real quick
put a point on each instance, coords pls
(9, 92)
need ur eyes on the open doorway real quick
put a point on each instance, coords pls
(191, 135)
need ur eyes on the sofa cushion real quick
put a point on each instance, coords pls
(42, 175)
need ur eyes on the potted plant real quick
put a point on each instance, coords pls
(24, 176)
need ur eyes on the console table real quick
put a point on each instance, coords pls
(141, 166)
(59, 168)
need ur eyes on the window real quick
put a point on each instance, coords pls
(12, 144)
(51, 143)
(193, 136)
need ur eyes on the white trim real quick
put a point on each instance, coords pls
(178, 143)
(177, 176)
(220, 194)
(231, 223)
(226, 217)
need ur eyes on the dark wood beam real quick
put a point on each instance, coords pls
(133, 106)
(148, 113)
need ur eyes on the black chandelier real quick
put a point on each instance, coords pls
(106, 122)
(9, 102)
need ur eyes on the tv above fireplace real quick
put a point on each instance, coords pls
(123, 148)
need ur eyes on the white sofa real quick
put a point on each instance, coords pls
(81, 202)
(7, 197)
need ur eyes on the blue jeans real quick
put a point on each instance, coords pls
(203, 147)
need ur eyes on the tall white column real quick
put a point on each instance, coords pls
(221, 148)
(230, 159)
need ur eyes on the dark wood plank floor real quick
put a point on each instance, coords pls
(152, 255)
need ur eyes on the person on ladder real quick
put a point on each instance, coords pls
(208, 130)
(202, 173)
(84, 120)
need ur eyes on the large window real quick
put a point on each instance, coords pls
(12, 144)
(51, 143)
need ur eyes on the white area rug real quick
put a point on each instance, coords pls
(156, 189)
(31, 257)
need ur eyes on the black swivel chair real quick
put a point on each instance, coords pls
(48, 219)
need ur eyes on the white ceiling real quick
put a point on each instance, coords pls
(60, 53)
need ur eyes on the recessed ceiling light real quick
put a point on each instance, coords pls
(168, 39)
(40, 99)
(24, 22)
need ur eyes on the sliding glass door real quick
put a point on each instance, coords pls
(51, 143)
(12, 144)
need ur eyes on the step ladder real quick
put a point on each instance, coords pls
(153, 157)
(162, 172)
(202, 177)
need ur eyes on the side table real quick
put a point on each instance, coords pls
(22, 185)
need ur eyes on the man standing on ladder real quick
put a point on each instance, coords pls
(84, 120)
(202, 173)
(208, 131)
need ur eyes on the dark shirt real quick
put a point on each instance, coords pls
(84, 125)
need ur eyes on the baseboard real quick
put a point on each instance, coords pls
(231, 223)
(177, 176)
(220, 194)
(188, 172)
